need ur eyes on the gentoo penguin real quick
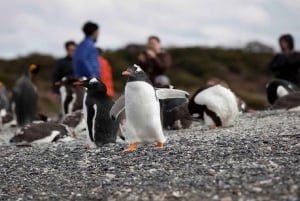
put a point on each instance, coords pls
(277, 88)
(5, 116)
(4, 102)
(96, 107)
(175, 113)
(39, 133)
(24, 97)
(75, 121)
(290, 101)
(216, 105)
(71, 97)
(142, 109)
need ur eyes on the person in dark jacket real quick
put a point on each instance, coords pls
(154, 61)
(286, 65)
(85, 61)
(63, 66)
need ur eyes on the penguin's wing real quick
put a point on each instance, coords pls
(165, 93)
(117, 107)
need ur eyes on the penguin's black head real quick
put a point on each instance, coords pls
(136, 73)
(92, 84)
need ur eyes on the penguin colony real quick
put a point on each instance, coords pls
(139, 116)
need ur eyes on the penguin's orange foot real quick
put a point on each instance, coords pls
(131, 147)
(159, 145)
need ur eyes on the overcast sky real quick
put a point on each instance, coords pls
(43, 26)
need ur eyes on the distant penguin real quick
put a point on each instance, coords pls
(4, 102)
(277, 88)
(40, 133)
(96, 107)
(175, 113)
(71, 97)
(75, 121)
(290, 101)
(25, 98)
(216, 105)
(5, 116)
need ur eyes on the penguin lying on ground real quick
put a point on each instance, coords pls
(216, 105)
(142, 109)
(290, 101)
(75, 121)
(101, 129)
(278, 88)
(71, 97)
(24, 97)
(40, 133)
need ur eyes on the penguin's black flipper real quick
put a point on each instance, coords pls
(117, 108)
(164, 93)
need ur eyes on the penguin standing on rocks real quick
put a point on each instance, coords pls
(96, 106)
(216, 105)
(5, 115)
(142, 109)
(4, 102)
(24, 100)
(71, 97)
(278, 88)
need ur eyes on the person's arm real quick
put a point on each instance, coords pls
(162, 61)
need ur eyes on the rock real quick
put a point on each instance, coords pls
(248, 161)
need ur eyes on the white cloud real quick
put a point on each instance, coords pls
(253, 15)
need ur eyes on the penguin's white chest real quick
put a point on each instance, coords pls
(142, 110)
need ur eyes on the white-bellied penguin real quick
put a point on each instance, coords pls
(40, 133)
(278, 88)
(96, 107)
(71, 97)
(216, 105)
(142, 109)
(24, 100)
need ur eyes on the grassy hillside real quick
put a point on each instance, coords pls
(246, 72)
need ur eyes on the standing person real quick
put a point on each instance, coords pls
(63, 66)
(85, 61)
(154, 61)
(106, 74)
(286, 65)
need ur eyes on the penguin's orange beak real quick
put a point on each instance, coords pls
(126, 73)
(57, 83)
